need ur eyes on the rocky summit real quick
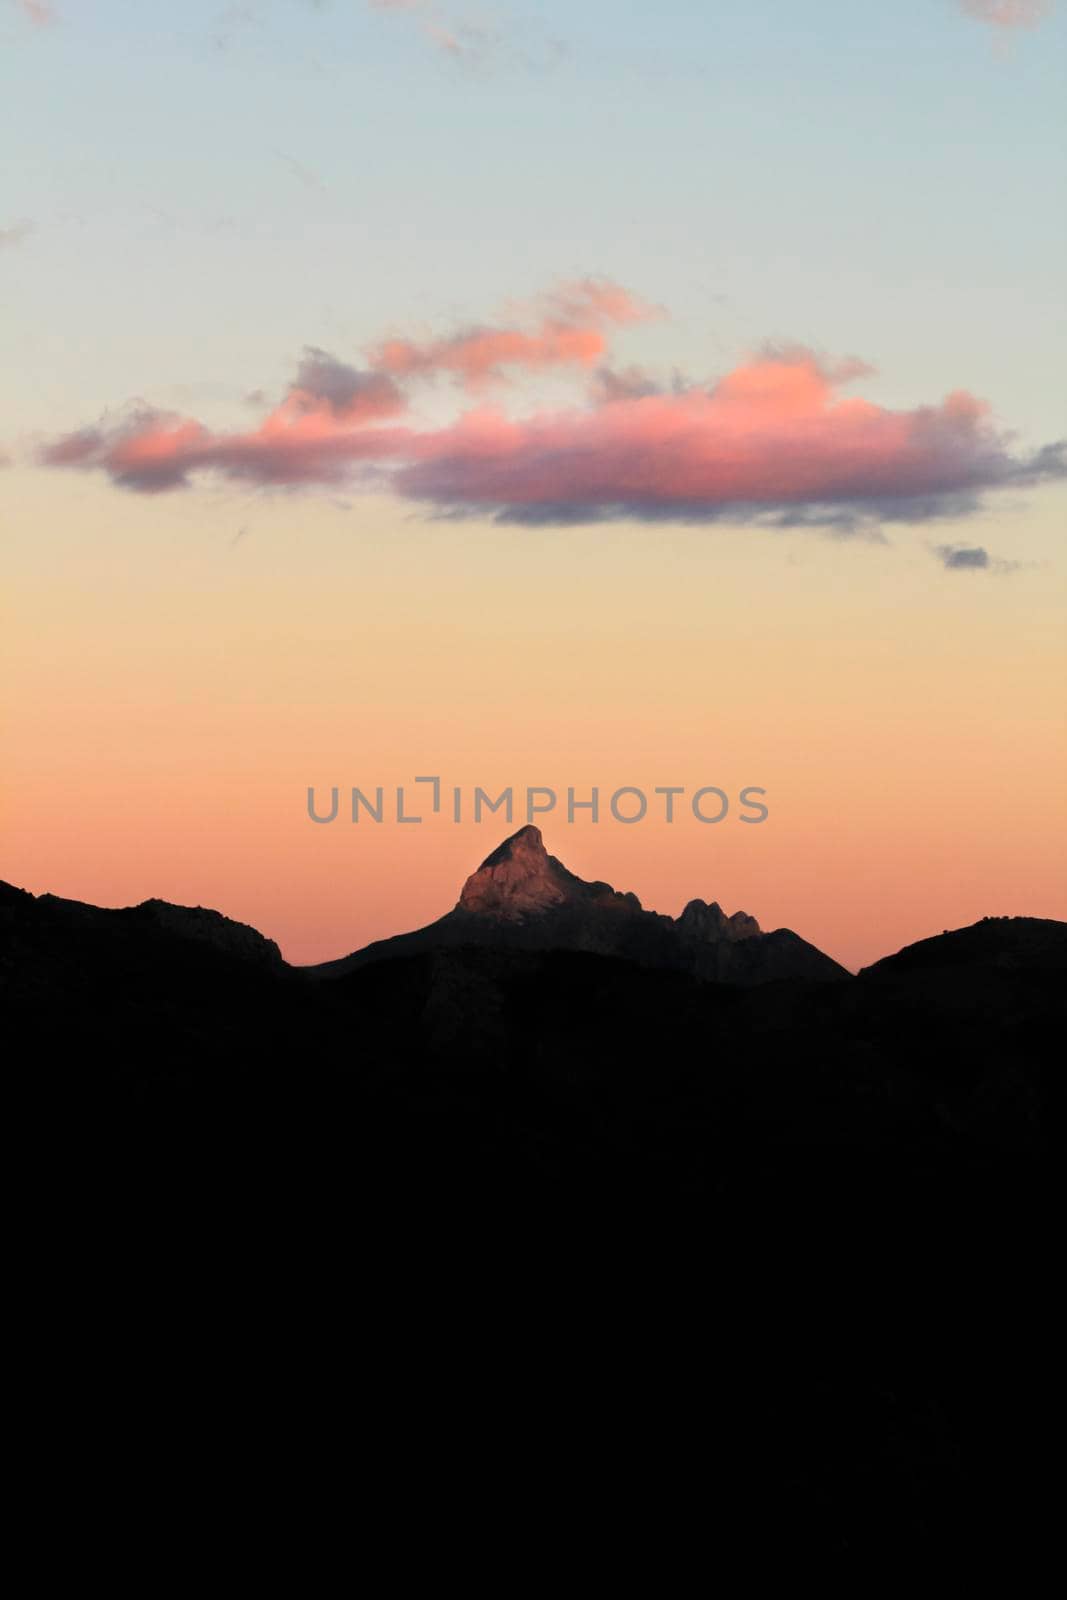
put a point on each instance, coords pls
(523, 898)
(520, 879)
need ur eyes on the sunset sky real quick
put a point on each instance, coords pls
(561, 394)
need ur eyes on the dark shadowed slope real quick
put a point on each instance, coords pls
(51, 917)
(999, 942)
(826, 1208)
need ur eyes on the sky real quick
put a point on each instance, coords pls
(561, 395)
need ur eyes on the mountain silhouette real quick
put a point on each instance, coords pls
(152, 920)
(540, 1151)
(997, 943)
(522, 898)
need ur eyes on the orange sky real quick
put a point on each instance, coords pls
(176, 688)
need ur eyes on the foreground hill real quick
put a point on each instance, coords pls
(50, 924)
(805, 1225)
(1007, 943)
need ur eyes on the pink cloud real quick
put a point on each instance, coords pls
(482, 352)
(1007, 13)
(773, 440)
(155, 451)
(569, 333)
(773, 436)
(313, 436)
(38, 11)
(462, 40)
(597, 300)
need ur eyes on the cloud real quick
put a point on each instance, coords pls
(351, 395)
(477, 44)
(9, 237)
(596, 300)
(321, 427)
(611, 384)
(1006, 13)
(463, 41)
(771, 440)
(569, 332)
(966, 558)
(960, 558)
(305, 175)
(40, 13)
(776, 441)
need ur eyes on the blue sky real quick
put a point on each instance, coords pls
(212, 187)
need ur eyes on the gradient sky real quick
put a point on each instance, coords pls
(566, 394)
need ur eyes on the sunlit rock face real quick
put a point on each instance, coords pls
(520, 879)
(517, 879)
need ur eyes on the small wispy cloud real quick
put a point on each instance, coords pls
(961, 558)
(303, 174)
(569, 330)
(471, 41)
(39, 12)
(1007, 13)
(972, 558)
(454, 38)
(15, 234)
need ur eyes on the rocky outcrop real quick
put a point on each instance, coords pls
(709, 923)
(520, 879)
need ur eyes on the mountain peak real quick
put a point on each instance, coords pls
(520, 879)
(702, 921)
(517, 878)
(522, 898)
(526, 842)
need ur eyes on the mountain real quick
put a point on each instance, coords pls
(522, 898)
(534, 1155)
(52, 918)
(998, 943)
